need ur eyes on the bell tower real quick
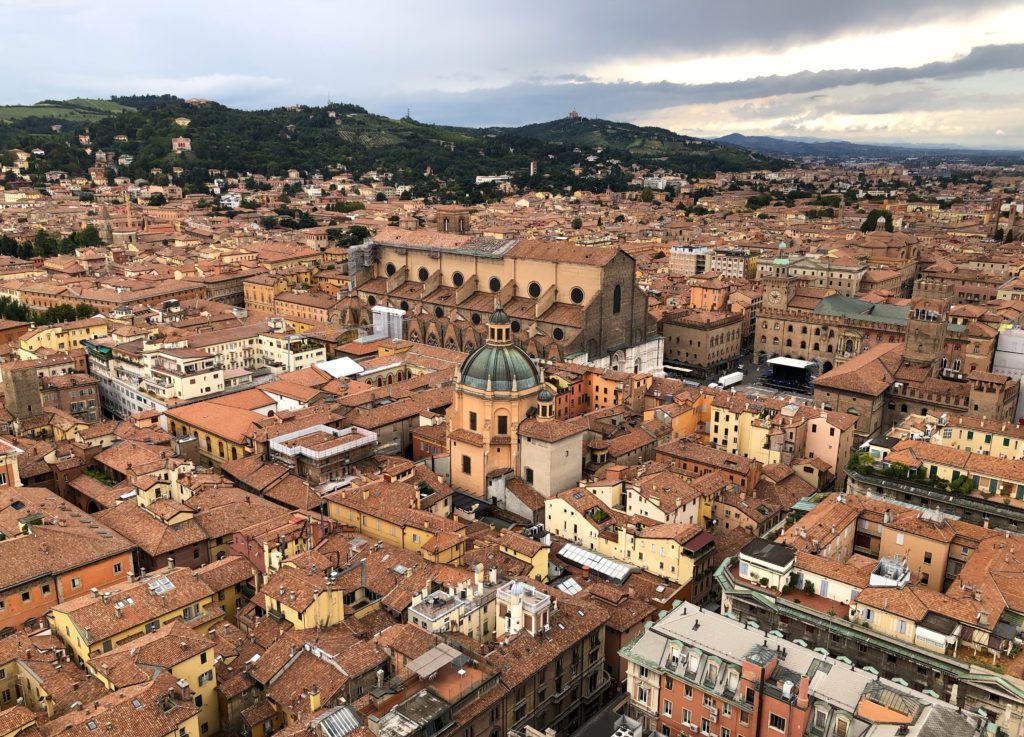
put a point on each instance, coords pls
(926, 324)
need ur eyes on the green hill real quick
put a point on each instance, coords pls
(435, 160)
(78, 109)
(647, 144)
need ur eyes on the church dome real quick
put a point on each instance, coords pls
(545, 395)
(499, 367)
(499, 317)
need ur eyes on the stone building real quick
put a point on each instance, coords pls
(703, 342)
(563, 300)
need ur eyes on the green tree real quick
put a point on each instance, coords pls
(88, 237)
(998, 235)
(44, 244)
(380, 197)
(961, 485)
(757, 201)
(647, 194)
(871, 221)
(577, 223)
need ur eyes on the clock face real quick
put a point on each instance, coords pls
(775, 296)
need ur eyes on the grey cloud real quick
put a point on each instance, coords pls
(524, 102)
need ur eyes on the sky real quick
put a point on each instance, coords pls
(915, 71)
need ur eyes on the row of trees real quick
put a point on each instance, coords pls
(45, 244)
(11, 310)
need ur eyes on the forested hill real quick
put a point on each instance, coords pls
(646, 143)
(437, 160)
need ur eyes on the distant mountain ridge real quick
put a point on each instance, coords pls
(838, 149)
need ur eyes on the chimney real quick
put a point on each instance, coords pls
(170, 563)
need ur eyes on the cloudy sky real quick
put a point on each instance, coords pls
(938, 71)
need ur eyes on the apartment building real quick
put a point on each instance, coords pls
(136, 377)
(701, 342)
(907, 593)
(96, 624)
(677, 551)
(697, 672)
(53, 554)
(735, 263)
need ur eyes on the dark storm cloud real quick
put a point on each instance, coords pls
(524, 101)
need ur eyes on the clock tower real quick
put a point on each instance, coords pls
(778, 291)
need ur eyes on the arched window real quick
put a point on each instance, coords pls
(789, 343)
(617, 300)
(849, 346)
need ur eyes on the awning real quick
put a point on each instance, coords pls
(433, 660)
(698, 542)
(791, 362)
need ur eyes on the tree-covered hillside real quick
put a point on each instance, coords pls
(435, 160)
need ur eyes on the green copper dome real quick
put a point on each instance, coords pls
(499, 317)
(499, 365)
(545, 395)
(500, 368)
